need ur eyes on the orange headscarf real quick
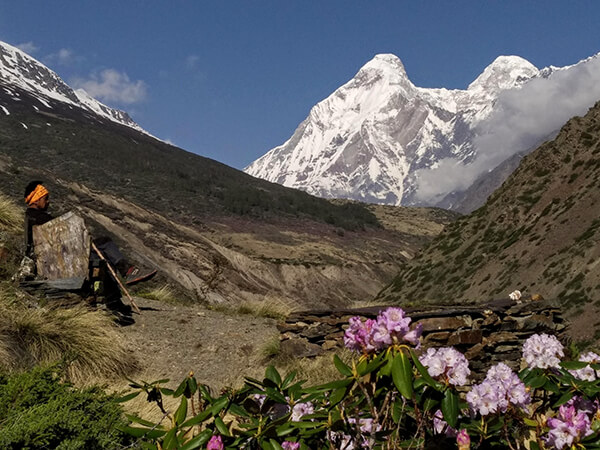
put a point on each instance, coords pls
(39, 192)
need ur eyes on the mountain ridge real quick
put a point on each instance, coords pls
(18, 69)
(217, 235)
(379, 137)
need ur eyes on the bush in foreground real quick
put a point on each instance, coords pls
(392, 396)
(38, 410)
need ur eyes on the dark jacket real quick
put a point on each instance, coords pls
(34, 217)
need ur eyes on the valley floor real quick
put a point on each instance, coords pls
(169, 340)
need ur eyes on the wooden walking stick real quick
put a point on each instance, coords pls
(116, 277)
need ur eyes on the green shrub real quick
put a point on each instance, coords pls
(38, 410)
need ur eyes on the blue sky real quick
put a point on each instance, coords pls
(231, 79)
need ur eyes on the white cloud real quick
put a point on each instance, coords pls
(111, 85)
(63, 57)
(521, 119)
(28, 47)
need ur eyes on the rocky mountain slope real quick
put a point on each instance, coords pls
(219, 235)
(381, 139)
(540, 233)
(21, 72)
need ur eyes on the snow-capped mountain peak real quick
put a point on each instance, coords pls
(379, 138)
(506, 72)
(18, 70)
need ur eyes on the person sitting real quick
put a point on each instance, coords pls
(37, 198)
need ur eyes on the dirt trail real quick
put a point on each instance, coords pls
(169, 340)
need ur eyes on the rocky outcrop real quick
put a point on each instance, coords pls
(487, 334)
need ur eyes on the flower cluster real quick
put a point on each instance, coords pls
(515, 295)
(571, 425)
(501, 388)
(441, 426)
(587, 373)
(366, 427)
(543, 351)
(446, 364)
(289, 445)
(301, 409)
(391, 327)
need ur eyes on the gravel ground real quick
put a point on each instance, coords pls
(170, 340)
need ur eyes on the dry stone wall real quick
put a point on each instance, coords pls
(486, 334)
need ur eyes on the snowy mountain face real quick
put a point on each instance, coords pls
(373, 136)
(19, 71)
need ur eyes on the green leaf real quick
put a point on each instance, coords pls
(574, 365)
(272, 374)
(137, 432)
(563, 399)
(192, 387)
(285, 429)
(238, 410)
(181, 412)
(337, 396)
(275, 445)
(424, 373)
(370, 367)
(180, 388)
(402, 375)
(275, 395)
(450, 407)
(204, 391)
(266, 445)
(134, 384)
(430, 404)
(221, 426)
(197, 441)
(341, 366)
(167, 391)
(135, 419)
(304, 425)
(533, 445)
(397, 410)
(170, 440)
(218, 405)
(289, 379)
(530, 422)
(551, 386)
(386, 369)
(197, 419)
(537, 382)
(127, 397)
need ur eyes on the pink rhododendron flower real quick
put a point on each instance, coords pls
(215, 443)
(446, 364)
(542, 351)
(390, 328)
(463, 440)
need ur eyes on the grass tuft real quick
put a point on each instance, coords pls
(271, 348)
(270, 307)
(11, 216)
(162, 294)
(317, 370)
(87, 339)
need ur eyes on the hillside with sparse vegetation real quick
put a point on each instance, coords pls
(540, 233)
